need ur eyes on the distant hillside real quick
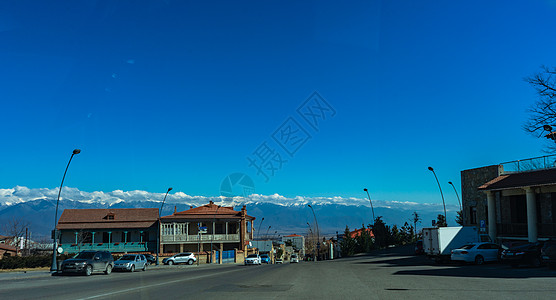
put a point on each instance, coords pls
(285, 219)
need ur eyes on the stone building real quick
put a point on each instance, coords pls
(512, 201)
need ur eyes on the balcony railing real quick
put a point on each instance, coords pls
(202, 237)
(529, 164)
(112, 247)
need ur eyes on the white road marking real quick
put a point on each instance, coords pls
(153, 285)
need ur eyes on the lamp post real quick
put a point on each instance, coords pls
(459, 202)
(213, 227)
(318, 234)
(259, 230)
(371, 204)
(158, 235)
(442, 195)
(54, 267)
(266, 235)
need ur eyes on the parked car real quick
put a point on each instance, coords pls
(181, 258)
(478, 253)
(419, 247)
(529, 254)
(87, 262)
(253, 259)
(131, 262)
(279, 261)
(150, 258)
(294, 259)
(548, 253)
(265, 259)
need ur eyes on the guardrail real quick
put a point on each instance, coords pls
(529, 164)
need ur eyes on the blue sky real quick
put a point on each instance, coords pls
(176, 93)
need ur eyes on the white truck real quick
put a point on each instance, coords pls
(439, 242)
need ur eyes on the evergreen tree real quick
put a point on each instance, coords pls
(459, 217)
(441, 221)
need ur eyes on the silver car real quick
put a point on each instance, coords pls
(181, 258)
(131, 262)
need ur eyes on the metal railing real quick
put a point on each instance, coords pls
(529, 164)
(201, 237)
(112, 247)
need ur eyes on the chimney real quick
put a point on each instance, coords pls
(175, 209)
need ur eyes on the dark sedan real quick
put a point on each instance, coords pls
(526, 254)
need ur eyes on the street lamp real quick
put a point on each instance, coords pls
(442, 195)
(318, 234)
(158, 235)
(459, 202)
(371, 204)
(259, 230)
(266, 235)
(54, 267)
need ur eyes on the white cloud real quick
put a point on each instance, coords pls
(21, 194)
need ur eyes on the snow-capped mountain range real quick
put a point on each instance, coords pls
(283, 214)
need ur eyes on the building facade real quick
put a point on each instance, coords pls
(205, 228)
(512, 201)
(116, 230)
(297, 242)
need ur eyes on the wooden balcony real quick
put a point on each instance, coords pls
(184, 238)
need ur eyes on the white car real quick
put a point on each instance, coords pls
(253, 259)
(181, 258)
(294, 259)
(478, 253)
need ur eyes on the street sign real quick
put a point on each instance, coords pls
(483, 224)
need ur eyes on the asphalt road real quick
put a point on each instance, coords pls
(391, 274)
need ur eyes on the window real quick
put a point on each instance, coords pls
(473, 215)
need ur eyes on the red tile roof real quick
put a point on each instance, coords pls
(8, 247)
(208, 211)
(520, 180)
(99, 218)
(358, 232)
(292, 235)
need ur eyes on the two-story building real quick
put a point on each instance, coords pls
(115, 230)
(205, 228)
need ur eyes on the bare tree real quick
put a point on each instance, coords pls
(14, 228)
(543, 111)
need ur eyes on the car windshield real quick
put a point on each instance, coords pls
(252, 256)
(85, 255)
(127, 257)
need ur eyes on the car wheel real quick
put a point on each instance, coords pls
(145, 267)
(170, 262)
(108, 270)
(88, 270)
(479, 260)
(190, 262)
